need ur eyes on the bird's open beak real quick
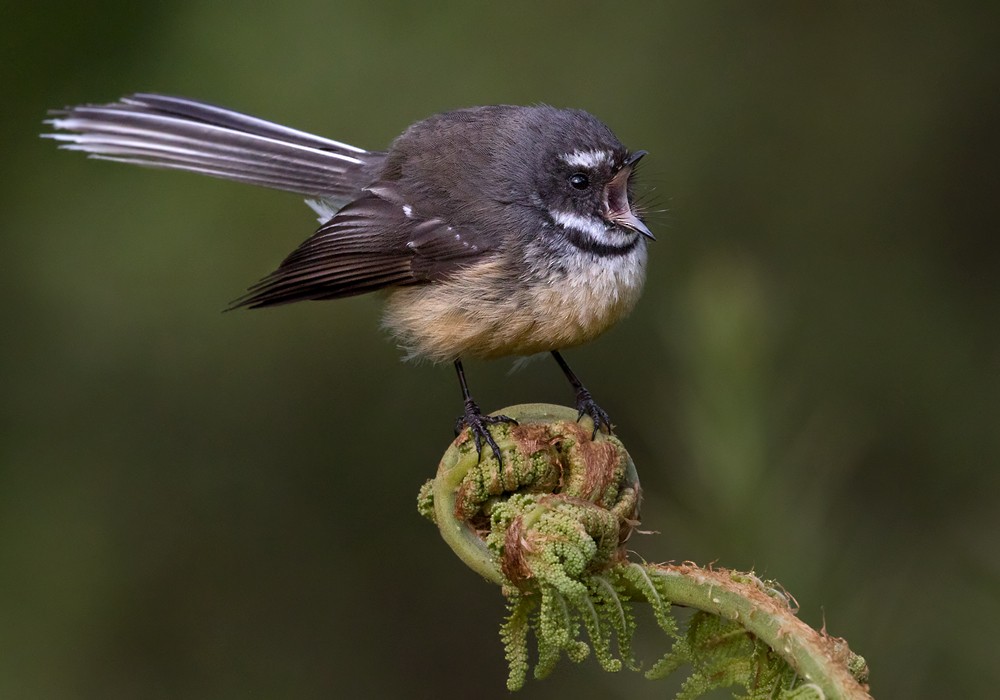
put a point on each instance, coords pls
(617, 208)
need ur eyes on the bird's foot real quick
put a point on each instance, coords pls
(478, 425)
(586, 405)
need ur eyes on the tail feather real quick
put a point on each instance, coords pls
(220, 116)
(175, 133)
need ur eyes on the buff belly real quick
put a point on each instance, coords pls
(484, 313)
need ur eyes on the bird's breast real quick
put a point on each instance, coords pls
(493, 308)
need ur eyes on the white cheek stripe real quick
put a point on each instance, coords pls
(584, 224)
(586, 159)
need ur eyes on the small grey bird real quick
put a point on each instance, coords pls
(499, 230)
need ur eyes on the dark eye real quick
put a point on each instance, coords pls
(579, 180)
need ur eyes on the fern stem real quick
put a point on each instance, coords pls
(767, 614)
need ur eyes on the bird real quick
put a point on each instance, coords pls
(494, 231)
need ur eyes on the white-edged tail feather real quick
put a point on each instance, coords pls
(213, 114)
(180, 134)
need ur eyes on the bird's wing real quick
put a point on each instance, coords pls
(373, 242)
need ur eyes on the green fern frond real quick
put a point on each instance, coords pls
(550, 527)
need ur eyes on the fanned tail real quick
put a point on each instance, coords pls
(160, 131)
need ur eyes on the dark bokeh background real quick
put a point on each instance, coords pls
(202, 505)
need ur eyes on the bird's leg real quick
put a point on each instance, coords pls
(474, 419)
(585, 403)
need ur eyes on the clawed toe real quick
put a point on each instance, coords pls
(478, 425)
(586, 406)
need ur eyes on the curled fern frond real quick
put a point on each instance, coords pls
(550, 525)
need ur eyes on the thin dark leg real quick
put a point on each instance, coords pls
(585, 403)
(477, 423)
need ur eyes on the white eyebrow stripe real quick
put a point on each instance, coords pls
(584, 224)
(586, 159)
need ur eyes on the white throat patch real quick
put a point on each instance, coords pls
(586, 225)
(594, 229)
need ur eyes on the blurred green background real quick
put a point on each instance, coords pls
(199, 505)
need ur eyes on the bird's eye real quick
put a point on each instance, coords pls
(579, 180)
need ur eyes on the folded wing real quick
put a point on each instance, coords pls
(374, 242)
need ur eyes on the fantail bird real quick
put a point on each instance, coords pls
(497, 230)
